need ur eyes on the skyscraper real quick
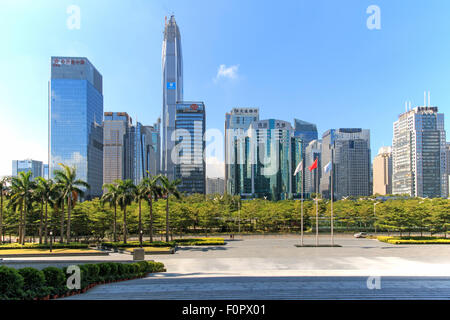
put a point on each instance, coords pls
(237, 122)
(75, 120)
(382, 172)
(26, 166)
(189, 151)
(214, 186)
(305, 131)
(118, 149)
(418, 153)
(172, 81)
(351, 162)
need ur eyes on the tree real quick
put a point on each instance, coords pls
(169, 188)
(71, 187)
(22, 197)
(141, 193)
(44, 192)
(111, 196)
(4, 188)
(127, 191)
(153, 192)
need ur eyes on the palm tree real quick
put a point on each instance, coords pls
(153, 193)
(44, 192)
(71, 187)
(4, 188)
(141, 193)
(168, 188)
(58, 200)
(22, 197)
(111, 196)
(127, 191)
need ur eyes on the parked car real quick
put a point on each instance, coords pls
(361, 235)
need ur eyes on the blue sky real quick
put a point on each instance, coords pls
(313, 60)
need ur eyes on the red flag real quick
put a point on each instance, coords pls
(313, 166)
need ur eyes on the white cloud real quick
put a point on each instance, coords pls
(215, 168)
(230, 72)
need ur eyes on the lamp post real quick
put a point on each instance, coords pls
(140, 238)
(51, 241)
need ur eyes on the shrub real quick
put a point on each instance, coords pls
(34, 283)
(92, 272)
(55, 279)
(11, 284)
(104, 271)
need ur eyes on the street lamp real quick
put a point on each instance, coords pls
(140, 238)
(51, 241)
(375, 215)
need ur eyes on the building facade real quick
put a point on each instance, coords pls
(28, 165)
(215, 186)
(382, 171)
(118, 151)
(305, 131)
(419, 155)
(237, 171)
(75, 120)
(350, 150)
(189, 152)
(172, 81)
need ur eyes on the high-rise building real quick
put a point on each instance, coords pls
(382, 172)
(118, 149)
(189, 151)
(274, 155)
(154, 147)
(350, 150)
(26, 166)
(45, 172)
(418, 153)
(305, 131)
(172, 81)
(75, 120)
(237, 173)
(215, 186)
(313, 151)
(448, 167)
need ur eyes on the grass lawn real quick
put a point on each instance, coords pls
(40, 251)
(150, 249)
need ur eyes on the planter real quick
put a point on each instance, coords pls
(55, 296)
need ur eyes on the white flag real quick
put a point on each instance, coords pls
(299, 168)
(327, 168)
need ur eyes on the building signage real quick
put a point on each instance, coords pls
(58, 62)
(171, 85)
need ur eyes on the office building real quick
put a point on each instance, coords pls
(118, 149)
(75, 120)
(237, 172)
(305, 131)
(172, 80)
(350, 150)
(190, 165)
(28, 165)
(418, 153)
(45, 172)
(215, 186)
(382, 172)
(313, 151)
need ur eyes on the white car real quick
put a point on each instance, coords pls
(361, 235)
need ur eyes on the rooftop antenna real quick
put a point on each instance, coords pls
(410, 105)
(429, 97)
(424, 98)
(165, 21)
(406, 106)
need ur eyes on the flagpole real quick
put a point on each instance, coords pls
(302, 208)
(332, 198)
(317, 206)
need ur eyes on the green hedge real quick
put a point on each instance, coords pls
(29, 283)
(414, 240)
(71, 245)
(183, 242)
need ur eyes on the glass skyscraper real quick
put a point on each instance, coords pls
(190, 164)
(75, 120)
(27, 165)
(172, 81)
(305, 131)
(418, 154)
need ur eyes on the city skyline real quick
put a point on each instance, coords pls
(228, 74)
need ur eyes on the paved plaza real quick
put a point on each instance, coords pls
(273, 268)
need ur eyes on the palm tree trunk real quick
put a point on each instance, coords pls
(115, 222)
(140, 223)
(24, 225)
(1, 215)
(125, 225)
(62, 224)
(151, 219)
(69, 211)
(46, 222)
(41, 222)
(20, 224)
(167, 219)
